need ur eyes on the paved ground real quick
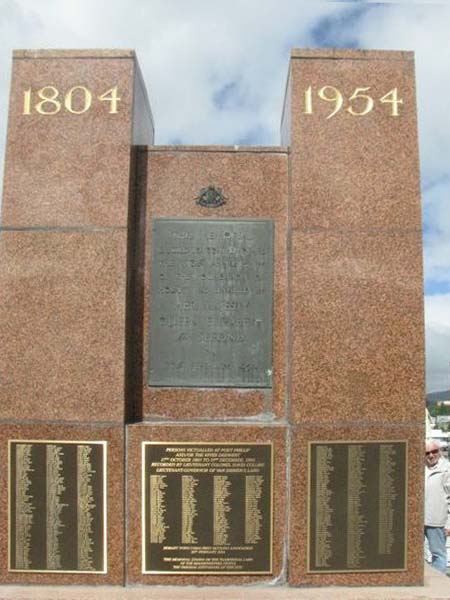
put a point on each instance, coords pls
(437, 586)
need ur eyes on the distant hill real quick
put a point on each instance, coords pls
(434, 397)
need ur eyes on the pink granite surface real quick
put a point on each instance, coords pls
(356, 291)
(354, 172)
(353, 286)
(298, 535)
(435, 586)
(357, 327)
(136, 434)
(62, 325)
(356, 278)
(69, 169)
(115, 500)
(351, 53)
(64, 250)
(255, 183)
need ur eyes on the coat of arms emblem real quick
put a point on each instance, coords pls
(211, 197)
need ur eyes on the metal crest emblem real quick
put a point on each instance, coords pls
(211, 197)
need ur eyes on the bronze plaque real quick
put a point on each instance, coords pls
(211, 303)
(207, 508)
(357, 501)
(57, 515)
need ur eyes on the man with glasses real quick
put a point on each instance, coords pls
(437, 504)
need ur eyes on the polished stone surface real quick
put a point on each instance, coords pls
(255, 184)
(351, 431)
(114, 436)
(436, 587)
(348, 361)
(62, 325)
(69, 169)
(356, 290)
(354, 172)
(357, 326)
(203, 433)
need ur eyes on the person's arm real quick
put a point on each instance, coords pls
(446, 484)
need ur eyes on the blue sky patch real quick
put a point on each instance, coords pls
(227, 96)
(337, 31)
(433, 287)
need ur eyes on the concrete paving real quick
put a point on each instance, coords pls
(437, 586)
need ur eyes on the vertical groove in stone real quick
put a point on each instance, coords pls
(135, 285)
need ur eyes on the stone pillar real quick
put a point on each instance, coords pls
(355, 280)
(65, 218)
(67, 249)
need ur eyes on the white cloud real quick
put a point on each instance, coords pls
(437, 236)
(437, 314)
(187, 50)
(423, 28)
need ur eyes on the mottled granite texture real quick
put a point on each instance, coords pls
(71, 169)
(354, 172)
(356, 258)
(256, 185)
(298, 535)
(357, 327)
(355, 277)
(75, 246)
(136, 434)
(62, 321)
(114, 436)
(67, 235)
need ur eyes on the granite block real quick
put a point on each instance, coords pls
(202, 433)
(62, 325)
(301, 436)
(114, 437)
(348, 171)
(255, 185)
(352, 53)
(72, 168)
(357, 327)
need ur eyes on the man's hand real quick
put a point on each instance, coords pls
(447, 532)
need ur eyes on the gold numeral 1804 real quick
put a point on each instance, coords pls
(359, 104)
(78, 100)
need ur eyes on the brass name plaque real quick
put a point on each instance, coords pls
(207, 508)
(211, 303)
(357, 516)
(57, 515)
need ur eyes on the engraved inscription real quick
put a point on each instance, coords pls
(222, 494)
(253, 515)
(211, 303)
(158, 525)
(356, 491)
(218, 518)
(86, 506)
(359, 104)
(357, 506)
(24, 506)
(324, 510)
(386, 501)
(55, 491)
(48, 100)
(57, 516)
(188, 509)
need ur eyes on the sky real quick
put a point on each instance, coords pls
(215, 73)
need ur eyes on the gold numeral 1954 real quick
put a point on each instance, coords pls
(358, 104)
(48, 100)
